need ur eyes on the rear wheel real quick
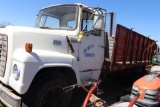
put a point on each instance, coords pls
(135, 74)
(131, 75)
(48, 92)
(140, 73)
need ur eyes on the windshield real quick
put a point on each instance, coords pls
(58, 17)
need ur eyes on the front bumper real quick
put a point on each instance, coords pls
(8, 98)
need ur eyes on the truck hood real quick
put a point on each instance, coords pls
(44, 41)
(3, 31)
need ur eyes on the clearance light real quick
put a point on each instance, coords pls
(28, 47)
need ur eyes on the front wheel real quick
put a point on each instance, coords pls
(48, 92)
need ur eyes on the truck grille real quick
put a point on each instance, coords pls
(3, 53)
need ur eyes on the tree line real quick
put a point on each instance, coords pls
(4, 24)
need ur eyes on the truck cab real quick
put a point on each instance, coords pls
(65, 47)
(76, 28)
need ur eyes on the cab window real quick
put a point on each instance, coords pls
(87, 19)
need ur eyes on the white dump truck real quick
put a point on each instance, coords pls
(68, 45)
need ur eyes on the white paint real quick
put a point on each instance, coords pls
(46, 54)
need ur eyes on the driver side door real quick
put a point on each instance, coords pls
(91, 48)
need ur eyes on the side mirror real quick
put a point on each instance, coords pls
(98, 20)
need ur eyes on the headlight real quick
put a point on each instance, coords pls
(16, 72)
(152, 92)
(134, 88)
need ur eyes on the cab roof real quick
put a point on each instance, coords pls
(78, 4)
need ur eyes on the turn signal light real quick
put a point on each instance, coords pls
(28, 47)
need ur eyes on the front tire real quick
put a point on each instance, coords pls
(48, 92)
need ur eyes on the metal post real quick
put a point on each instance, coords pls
(111, 22)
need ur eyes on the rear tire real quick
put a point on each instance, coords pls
(48, 92)
(136, 73)
(140, 73)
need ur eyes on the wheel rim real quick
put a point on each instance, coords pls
(53, 97)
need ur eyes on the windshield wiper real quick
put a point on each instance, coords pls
(43, 27)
